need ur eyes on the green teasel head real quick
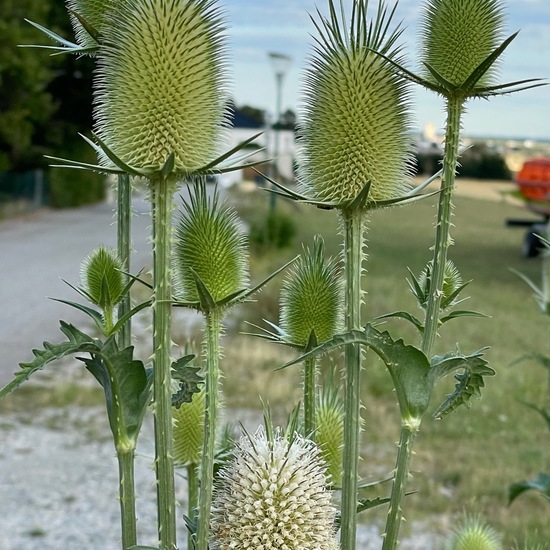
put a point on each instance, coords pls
(93, 14)
(311, 298)
(457, 35)
(209, 244)
(473, 533)
(188, 430)
(451, 287)
(356, 125)
(160, 85)
(102, 278)
(329, 433)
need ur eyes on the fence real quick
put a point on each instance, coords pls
(20, 191)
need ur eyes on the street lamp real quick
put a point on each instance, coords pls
(281, 64)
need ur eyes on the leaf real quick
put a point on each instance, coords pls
(544, 413)
(541, 484)
(189, 379)
(469, 381)
(408, 366)
(78, 342)
(462, 313)
(127, 389)
(407, 316)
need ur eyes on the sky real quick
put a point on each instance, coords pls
(257, 27)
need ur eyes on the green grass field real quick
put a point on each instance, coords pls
(467, 460)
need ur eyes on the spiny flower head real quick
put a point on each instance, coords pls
(210, 244)
(188, 430)
(160, 84)
(356, 123)
(95, 13)
(457, 35)
(452, 285)
(311, 298)
(329, 433)
(102, 278)
(273, 495)
(474, 534)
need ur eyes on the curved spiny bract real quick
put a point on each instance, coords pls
(356, 123)
(210, 244)
(311, 298)
(457, 35)
(160, 84)
(95, 12)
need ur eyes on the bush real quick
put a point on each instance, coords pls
(278, 231)
(70, 188)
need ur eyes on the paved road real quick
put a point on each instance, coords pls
(36, 252)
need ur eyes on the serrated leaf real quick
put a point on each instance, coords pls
(541, 484)
(127, 389)
(469, 382)
(78, 342)
(189, 378)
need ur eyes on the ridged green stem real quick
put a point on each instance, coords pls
(162, 312)
(353, 260)
(444, 223)
(127, 498)
(192, 497)
(213, 335)
(395, 512)
(442, 243)
(124, 215)
(310, 380)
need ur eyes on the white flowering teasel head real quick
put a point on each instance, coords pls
(160, 84)
(273, 495)
(355, 127)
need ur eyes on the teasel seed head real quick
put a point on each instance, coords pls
(452, 285)
(273, 495)
(329, 433)
(95, 12)
(160, 84)
(188, 430)
(355, 127)
(474, 534)
(102, 278)
(209, 243)
(311, 297)
(457, 35)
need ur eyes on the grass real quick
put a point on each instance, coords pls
(467, 460)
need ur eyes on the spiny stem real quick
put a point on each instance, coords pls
(353, 259)
(162, 342)
(310, 378)
(213, 335)
(433, 309)
(395, 513)
(443, 228)
(124, 214)
(127, 498)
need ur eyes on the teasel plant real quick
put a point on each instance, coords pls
(355, 156)
(273, 494)
(160, 113)
(461, 46)
(126, 381)
(211, 276)
(311, 312)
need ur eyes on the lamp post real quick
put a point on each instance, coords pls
(281, 64)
